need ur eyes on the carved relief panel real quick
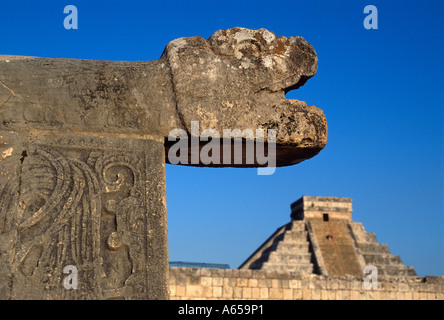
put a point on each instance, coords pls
(95, 204)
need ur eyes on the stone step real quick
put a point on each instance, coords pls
(301, 268)
(296, 235)
(287, 246)
(373, 248)
(382, 259)
(361, 235)
(283, 249)
(397, 271)
(289, 258)
(358, 227)
(297, 226)
(288, 261)
(366, 238)
(292, 247)
(273, 245)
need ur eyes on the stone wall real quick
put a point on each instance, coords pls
(228, 284)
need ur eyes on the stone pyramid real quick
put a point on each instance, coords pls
(323, 239)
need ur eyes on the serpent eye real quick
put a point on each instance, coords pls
(247, 48)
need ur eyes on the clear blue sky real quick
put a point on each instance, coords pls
(381, 90)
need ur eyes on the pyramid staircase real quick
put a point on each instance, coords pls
(287, 251)
(378, 254)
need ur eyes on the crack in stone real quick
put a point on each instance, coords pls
(19, 96)
(4, 103)
(11, 91)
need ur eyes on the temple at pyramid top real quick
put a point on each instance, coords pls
(321, 208)
(322, 239)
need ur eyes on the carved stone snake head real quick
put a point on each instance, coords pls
(237, 79)
(269, 62)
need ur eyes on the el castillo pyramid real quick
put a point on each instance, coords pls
(323, 239)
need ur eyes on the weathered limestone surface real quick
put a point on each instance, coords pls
(83, 144)
(94, 203)
(237, 79)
